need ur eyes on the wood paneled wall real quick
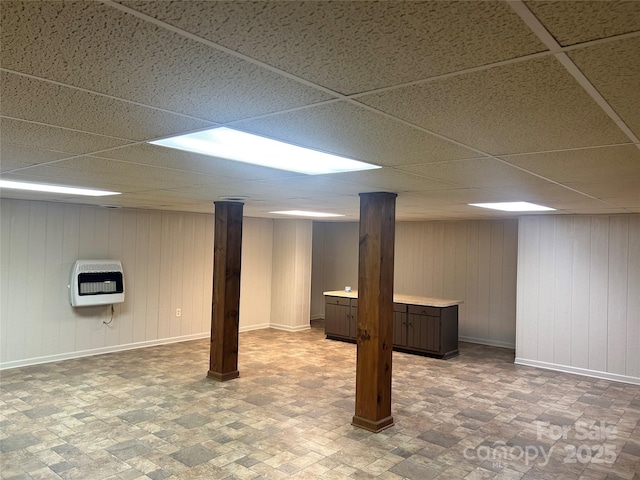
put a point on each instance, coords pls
(579, 294)
(291, 278)
(470, 260)
(255, 280)
(167, 258)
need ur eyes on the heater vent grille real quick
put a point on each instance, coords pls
(96, 282)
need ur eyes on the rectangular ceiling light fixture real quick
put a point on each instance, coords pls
(232, 144)
(42, 187)
(302, 213)
(513, 206)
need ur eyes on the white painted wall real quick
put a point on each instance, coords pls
(474, 261)
(335, 260)
(578, 295)
(167, 258)
(291, 278)
(255, 281)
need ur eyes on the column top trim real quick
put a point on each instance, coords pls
(389, 194)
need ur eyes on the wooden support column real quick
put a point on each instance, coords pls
(227, 252)
(375, 311)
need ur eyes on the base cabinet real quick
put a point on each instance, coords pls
(341, 315)
(422, 330)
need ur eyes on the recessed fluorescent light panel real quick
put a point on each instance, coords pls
(232, 144)
(302, 213)
(41, 187)
(513, 206)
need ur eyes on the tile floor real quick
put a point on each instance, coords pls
(152, 414)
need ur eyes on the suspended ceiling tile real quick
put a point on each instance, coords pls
(82, 180)
(183, 207)
(310, 186)
(253, 190)
(479, 172)
(603, 189)
(86, 168)
(177, 159)
(43, 196)
(315, 184)
(15, 156)
(46, 137)
(471, 211)
(38, 101)
(215, 193)
(356, 132)
(357, 46)
(461, 196)
(625, 202)
(614, 69)
(440, 216)
(572, 22)
(536, 193)
(595, 210)
(44, 177)
(96, 47)
(583, 203)
(392, 180)
(337, 203)
(421, 201)
(590, 165)
(173, 197)
(527, 106)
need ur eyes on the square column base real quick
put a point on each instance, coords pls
(372, 426)
(223, 377)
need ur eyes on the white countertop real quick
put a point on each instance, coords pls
(400, 298)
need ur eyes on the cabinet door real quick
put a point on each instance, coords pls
(399, 325)
(337, 319)
(423, 332)
(353, 320)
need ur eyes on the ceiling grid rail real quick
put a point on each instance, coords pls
(558, 52)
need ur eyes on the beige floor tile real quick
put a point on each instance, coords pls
(152, 414)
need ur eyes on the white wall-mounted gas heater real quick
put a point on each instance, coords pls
(96, 282)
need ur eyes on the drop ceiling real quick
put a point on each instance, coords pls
(459, 102)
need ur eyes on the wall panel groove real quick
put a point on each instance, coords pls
(167, 260)
(587, 268)
(470, 260)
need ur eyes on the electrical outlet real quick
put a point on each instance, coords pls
(178, 312)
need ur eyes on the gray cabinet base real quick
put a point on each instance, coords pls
(418, 330)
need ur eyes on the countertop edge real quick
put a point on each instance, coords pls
(401, 298)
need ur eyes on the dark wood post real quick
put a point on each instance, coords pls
(375, 311)
(227, 253)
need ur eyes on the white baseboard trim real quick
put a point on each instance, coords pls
(132, 346)
(289, 328)
(99, 351)
(491, 343)
(249, 328)
(578, 371)
(317, 316)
